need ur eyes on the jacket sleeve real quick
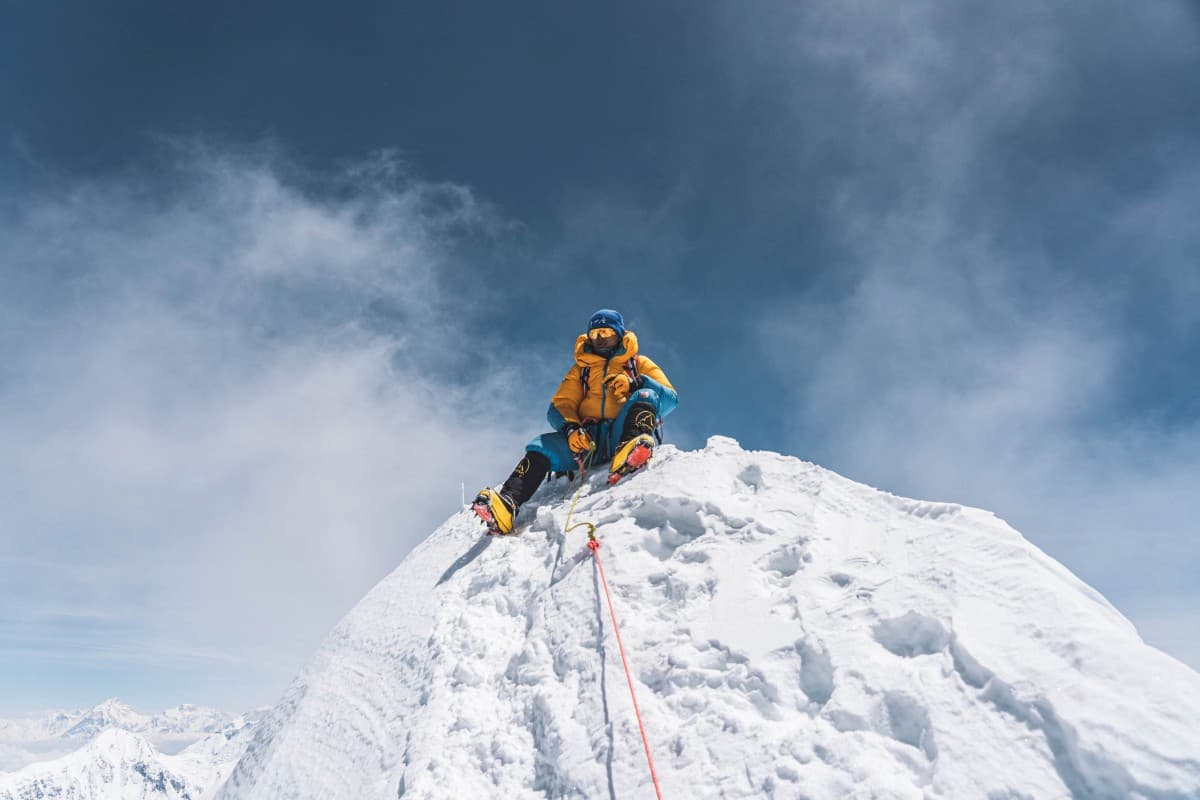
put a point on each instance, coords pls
(648, 367)
(651, 376)
(567, 399)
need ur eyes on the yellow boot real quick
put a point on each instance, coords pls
(496, 509)
(631, 457)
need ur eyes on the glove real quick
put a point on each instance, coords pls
(578, 439)
(620, 385)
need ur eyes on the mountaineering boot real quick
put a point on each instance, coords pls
(497, 510)
(631, 457)
(641, 418)
(637, 445)
(526, 477)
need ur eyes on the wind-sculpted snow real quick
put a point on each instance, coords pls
(792, 635)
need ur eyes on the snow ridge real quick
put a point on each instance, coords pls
(792, 633)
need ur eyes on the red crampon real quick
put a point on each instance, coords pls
(636, 459)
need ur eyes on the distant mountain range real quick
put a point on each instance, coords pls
(180, 723)
(116, 752)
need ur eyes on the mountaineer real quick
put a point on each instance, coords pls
(607, 409)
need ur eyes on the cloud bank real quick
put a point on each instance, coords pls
(1014, 232)
(233, 395)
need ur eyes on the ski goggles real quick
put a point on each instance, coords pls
(599, 334)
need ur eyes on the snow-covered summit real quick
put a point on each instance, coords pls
(112, 713)
(791, 633)
(116, 764)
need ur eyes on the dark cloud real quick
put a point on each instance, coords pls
(1024, 286)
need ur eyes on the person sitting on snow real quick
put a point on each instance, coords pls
(606, 409)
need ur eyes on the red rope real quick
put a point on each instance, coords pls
(594, 546)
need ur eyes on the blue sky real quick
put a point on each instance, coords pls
(275, 281)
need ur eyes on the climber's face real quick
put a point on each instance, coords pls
(603, 340)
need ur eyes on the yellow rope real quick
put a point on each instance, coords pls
(583, 468)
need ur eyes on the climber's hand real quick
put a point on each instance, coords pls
(620, 385)
(578, 439)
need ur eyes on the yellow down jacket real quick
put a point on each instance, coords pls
(577, 403)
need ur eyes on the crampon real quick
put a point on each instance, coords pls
(631, 457)
(494, 512)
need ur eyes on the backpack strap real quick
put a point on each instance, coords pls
(631, 370)
(584, 374)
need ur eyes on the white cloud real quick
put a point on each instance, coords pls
(967, 359)
(230, 405)
(934, 386)
(14, 757)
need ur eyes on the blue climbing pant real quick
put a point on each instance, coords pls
(605, 433)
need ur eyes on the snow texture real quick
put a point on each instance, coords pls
(792, 634)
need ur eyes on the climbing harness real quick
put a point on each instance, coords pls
(593, 545)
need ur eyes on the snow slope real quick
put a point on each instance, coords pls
(792, 634)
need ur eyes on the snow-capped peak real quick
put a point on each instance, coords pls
(110, 713)
(115, 745)
(120, 765)
(791, 634)
(116, 765)
(111, 751)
